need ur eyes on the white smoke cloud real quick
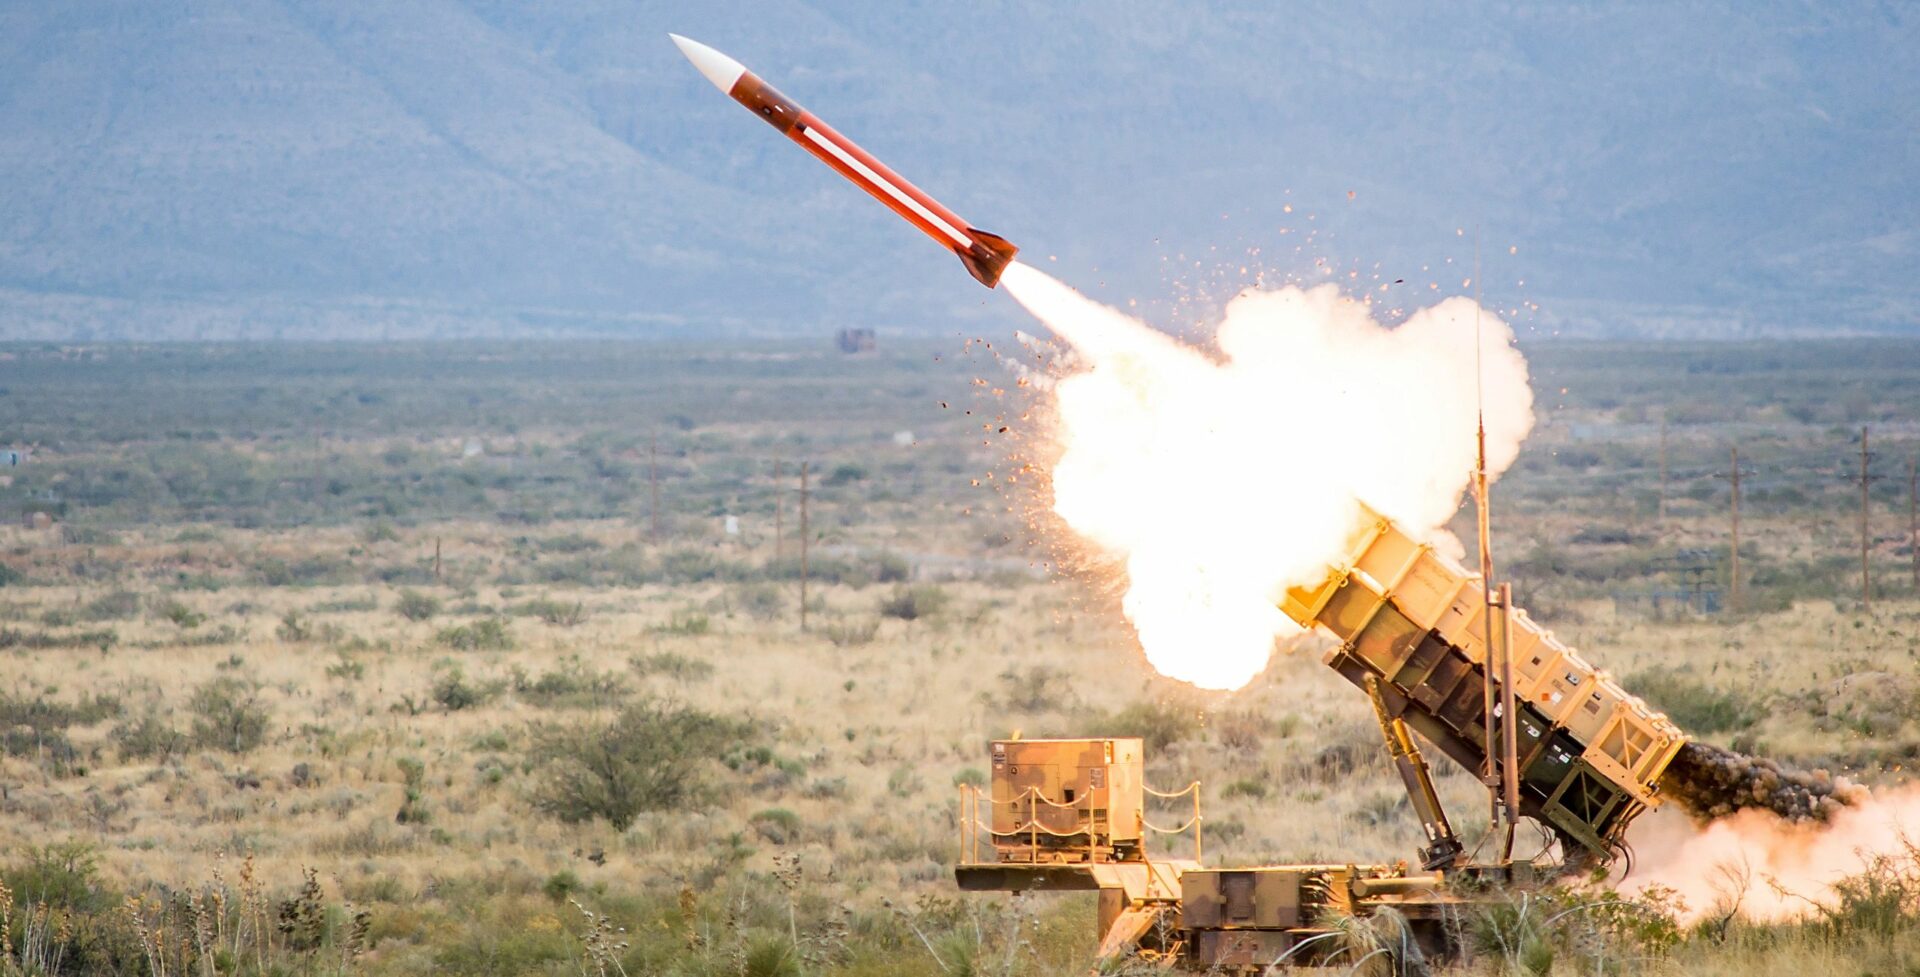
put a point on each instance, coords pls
(1764, 866)
(1221, 481)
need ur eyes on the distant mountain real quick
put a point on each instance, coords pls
(507, 167)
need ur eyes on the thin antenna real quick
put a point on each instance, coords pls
(1490, 717)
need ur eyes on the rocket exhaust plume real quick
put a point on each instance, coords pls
(1220, 478)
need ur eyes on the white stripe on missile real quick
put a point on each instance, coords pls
(892, 191)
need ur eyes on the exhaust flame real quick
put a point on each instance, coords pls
(1222, 481)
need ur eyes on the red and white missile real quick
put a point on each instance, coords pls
(985, 255)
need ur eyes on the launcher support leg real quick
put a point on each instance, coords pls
(1443, 848)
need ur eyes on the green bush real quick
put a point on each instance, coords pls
(227, 715)
(486, 634)
(651, 757)
(1160, 724)
(555, 612)
(686, 623)
(671, 664)
(62, 875)
(571, 684)
(416, 606)
(776, 824)
(149, 738)
(914, 603)
(453, 692)
(561, 885)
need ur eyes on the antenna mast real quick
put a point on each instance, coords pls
(1499, 775)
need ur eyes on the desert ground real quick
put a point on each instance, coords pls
(489, 658)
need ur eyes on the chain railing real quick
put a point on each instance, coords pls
(973, 828)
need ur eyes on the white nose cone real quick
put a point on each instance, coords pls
(719, 69)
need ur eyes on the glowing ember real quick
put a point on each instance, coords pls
(1221, 481)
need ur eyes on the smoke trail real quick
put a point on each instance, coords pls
(1222, 480)
(1710, 782)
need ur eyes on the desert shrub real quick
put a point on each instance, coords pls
(1693, 706)
(914, 603)
(848, 634)
(149, 738)
(1878, 902)
(306, 571)
(227, 715)
(416, 606)
(1160, 724)
(568, 543)
(561, 885)
(1244, 787)
(61, 875)
(651, 757)
(294, 628)
(555, 612)
(776, 824)
(181, 615)
(843, 474)
(571, 684)
(118, 605)
(685, 623)
(413, 780)
(970, 777)
(761, 601)
(11, 576)
(103, 638)
(891, 568)
(454, 692)
(1036, 688)
(486, 634)
(905, 782)
(671, 664)
(380, 531)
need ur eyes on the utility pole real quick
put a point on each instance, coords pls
(1733, 562)
(1866, 566)
(653, 483)
(1663, 471)
(1913, 518)
(803, 546)
(1732, 475)
(779, 512)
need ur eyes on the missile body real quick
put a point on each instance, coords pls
(985, 255)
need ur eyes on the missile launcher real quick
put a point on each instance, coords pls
(1590, 754)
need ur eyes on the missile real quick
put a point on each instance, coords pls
(985, 255)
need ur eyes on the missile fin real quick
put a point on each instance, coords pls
(988, 257)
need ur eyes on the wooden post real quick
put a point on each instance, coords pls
(1663, 471)
(1733, 562)
(1866, 567)
(779, 513)
(1913, 518)
(803, 546)
(653, 484)
(436, 559)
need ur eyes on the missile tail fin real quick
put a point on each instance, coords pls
(988, 257)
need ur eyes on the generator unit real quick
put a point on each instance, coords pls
(1067, 800)
(1413, 631)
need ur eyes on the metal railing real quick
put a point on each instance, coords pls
(973, 828)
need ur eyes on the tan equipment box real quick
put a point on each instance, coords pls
(1067, 799)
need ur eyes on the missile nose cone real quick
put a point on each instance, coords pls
(719, 69)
